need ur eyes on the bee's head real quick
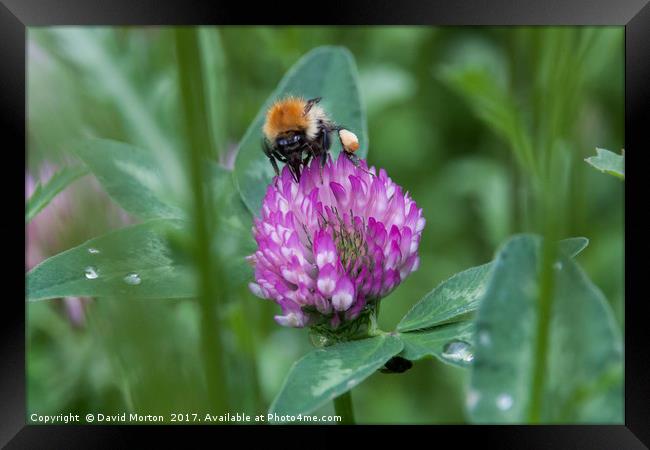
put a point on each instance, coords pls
(290, 140)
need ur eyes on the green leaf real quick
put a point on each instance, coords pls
(450, 343)
(608, 162)
(91, 52)
(573, 246)
(324, 374)
(459, 295)
(235, 238)
(131, 262)
(584, 361)
(452, 298)
(486, 183)
(43, 194)
(327, 72)
(488, 96)
(131, 176)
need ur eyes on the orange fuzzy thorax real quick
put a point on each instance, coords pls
(285, 115)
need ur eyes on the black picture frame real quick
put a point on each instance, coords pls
(16, 15)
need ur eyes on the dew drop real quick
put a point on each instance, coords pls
(133, 279)
(93, 251)
(318, 340)
(91, 272)
(484, 338)
(557, 265)
(472, 399)
(504, 402)
(458, 351)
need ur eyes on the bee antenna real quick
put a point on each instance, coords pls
(310, 103)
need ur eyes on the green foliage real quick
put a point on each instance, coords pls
(235, 222)
(95, 52)
(584, 360)
(452, 299)
(546, 92)
(134, 262)
(439, 325)
(485, 185)
(451, 343)
(43, 194)
(327, 72)
(573, 246)
(491, 101)
(56, 361)
(131, 176)
(168, 337)
(134, 179)
(608, 162)
(326, 373)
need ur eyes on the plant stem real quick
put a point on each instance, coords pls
(209, 275)
(343, 408)
(545, 298)
(543, 328)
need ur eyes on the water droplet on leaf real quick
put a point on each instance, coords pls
(133, 279)
(504, 402)
(458, 351)
(91, 272)
(93, 251)
(484, 338)
(318, 340)
(472, 399)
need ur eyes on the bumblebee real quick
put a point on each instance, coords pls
(297, 130)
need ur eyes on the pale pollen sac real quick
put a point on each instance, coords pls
(349, 140)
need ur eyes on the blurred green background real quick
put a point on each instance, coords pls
(121, 83)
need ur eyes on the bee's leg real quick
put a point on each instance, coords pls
(270, 154)
(275, 168)
(307, 158)
(279, 156)
(295, 169)
(354, 159)
(308, 151)
(325, 144)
